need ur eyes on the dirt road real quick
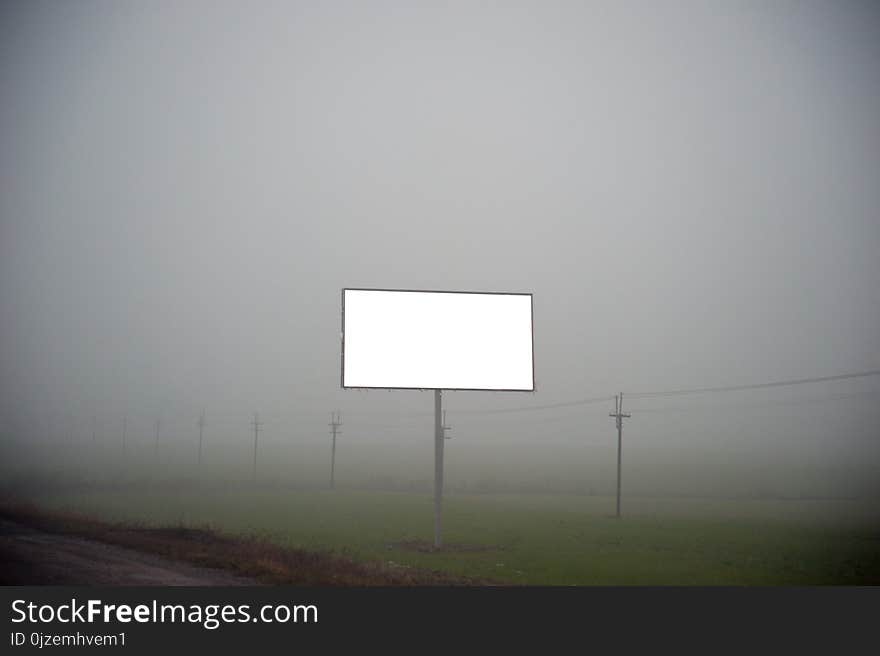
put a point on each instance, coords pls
(32, 557)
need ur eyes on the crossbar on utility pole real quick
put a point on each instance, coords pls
(256, 424)
(335, 423)
(619, 415)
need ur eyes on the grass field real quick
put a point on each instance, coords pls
(536, 539)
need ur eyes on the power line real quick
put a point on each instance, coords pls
(758, 404)
(651, 394)
(532, 408)
(537, 419)
(737, 388)
(527, 408)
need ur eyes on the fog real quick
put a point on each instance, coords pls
(688, 189)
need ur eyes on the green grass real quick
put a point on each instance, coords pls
(536, 539)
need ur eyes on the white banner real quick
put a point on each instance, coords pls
(437, 340)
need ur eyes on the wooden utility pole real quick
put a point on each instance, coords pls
(619, 415)
(201, 432)
(335, 423)
(256, 424)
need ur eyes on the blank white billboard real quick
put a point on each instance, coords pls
(437, 340)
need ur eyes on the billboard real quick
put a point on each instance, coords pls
(412, 339)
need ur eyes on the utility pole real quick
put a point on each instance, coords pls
(335, 423)
(439, 432)
(201, 432)
(256, 423)
(619, 415)
(158, 426)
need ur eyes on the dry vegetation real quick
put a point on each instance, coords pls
(250, 556)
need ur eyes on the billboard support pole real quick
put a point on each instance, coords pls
(439, 439)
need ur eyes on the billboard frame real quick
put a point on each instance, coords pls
(438, 291)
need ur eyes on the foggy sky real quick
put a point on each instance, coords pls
(689, 190)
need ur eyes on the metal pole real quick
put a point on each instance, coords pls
(335, 423)
(257, 424)
(438, 466)
(619, 415)
(619, 447)
(201, 432)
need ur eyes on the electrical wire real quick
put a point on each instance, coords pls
(738, 388)
(758, 404)
(531, 408)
